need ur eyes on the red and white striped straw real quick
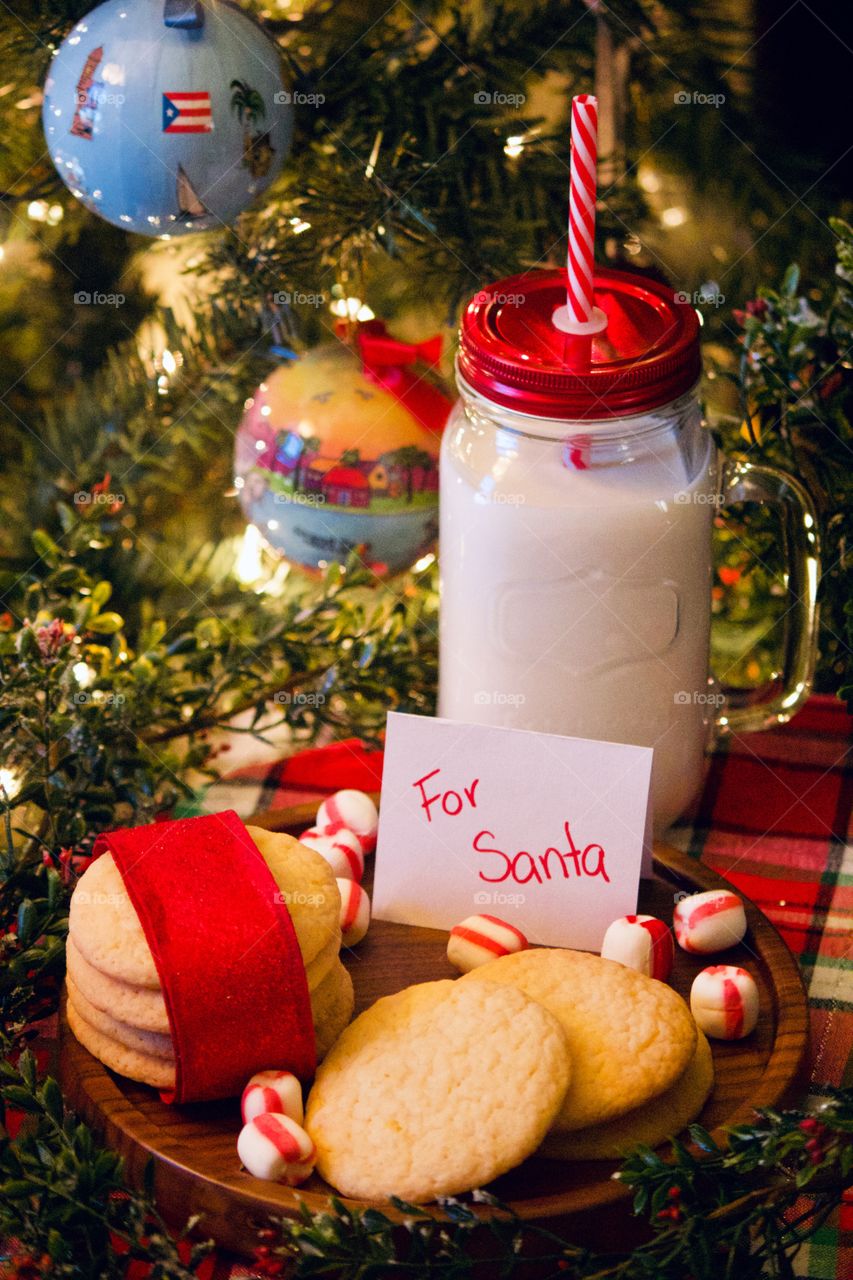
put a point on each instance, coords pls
(582, 192)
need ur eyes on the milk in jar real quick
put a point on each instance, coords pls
(575, 550)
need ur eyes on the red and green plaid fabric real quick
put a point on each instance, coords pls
(775, 818)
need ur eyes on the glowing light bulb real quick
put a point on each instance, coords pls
(10, 781)
(675, 216)
(249, 566)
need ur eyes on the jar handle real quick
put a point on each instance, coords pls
(778, 700)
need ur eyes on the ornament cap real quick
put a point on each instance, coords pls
(512, 352)
(186, 14)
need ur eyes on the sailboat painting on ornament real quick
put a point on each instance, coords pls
(190, 204)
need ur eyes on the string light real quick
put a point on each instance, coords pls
(249, 565)
(514, 145)
(351, 309)
(83, 674)
(10, 782)
(675, 216)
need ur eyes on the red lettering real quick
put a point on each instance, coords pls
(445, 803)
(561, 862)
(532, 874)
(574, 852)
(469, 793)
(522, 867)
(599, 869)
(427, 800)
(497, 853)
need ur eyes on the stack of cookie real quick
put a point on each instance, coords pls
(449, 1084)
(116, 1007)
(641, 1068)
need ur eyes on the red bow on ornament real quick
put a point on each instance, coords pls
(378, 348)
(387, 362)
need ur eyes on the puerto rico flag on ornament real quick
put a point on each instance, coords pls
(187, 113)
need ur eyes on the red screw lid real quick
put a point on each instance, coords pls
(510, 352)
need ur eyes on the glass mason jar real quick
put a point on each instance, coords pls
(576, 513)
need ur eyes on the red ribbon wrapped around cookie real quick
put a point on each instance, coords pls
(226, 952)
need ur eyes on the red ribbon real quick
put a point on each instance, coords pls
(225, 949)
(378, 348)
(387, 362)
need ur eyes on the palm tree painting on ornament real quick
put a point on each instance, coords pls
(248, 106)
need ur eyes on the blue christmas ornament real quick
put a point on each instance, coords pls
(167, 116)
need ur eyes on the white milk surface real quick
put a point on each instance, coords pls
(577, 601)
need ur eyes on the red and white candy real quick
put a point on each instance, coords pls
(712, 921)
(478, 939)
(643, 943)
(355, 912)
(724, 1002)
(277, 1149)
(352, 810)
(278, 1091)
(342, 851)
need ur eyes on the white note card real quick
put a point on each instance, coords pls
(545, 832)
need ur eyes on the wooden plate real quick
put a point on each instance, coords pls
(193, 1147)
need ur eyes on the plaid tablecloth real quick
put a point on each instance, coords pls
(774, 818)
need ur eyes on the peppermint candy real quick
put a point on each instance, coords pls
(353, 811)
(724, 1001)
(277, 1149)
(355, 912)
(276, 1091)
(712, 921)
(643, 943)
(478, 939)
(342, 851)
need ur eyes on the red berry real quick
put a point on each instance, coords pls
(813, 1144)
(674, 1193)
(809, 1124)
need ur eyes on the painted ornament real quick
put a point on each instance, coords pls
(338, 451)
(167, 116)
